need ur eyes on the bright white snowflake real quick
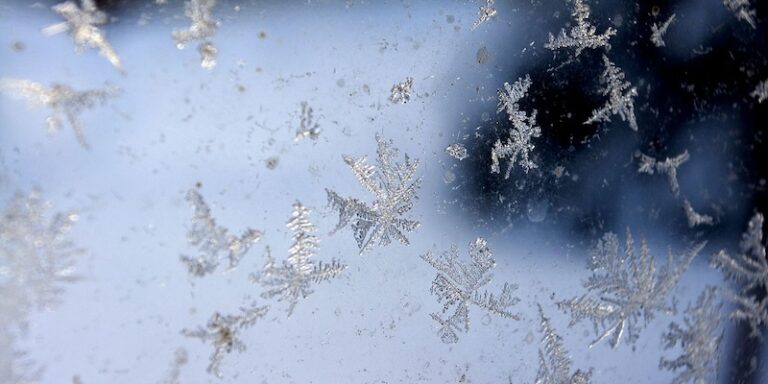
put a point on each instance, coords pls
(203, 26)
(486, 13)
(761, 91)
(554, 362)
(518, 145)
(621, 95)
(658, 31)
(743, 11)
(582, 35)
(308, 126)
(694, 218)
(669, 167)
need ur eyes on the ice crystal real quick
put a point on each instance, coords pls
(742, 9)
(203, 26)
(554, 362)
(458, 284)
(394, 187)
(761, 91)
(695, 218)
(457, 151)
(669, 166)
(620, 94)
(486, 13)
(223, 332)
(214, 243)
(63, 101)
(401, 92)
(750, 270)
(292, 280)
(625, 289)
(524, 128)
(82, 22)
(699, 337)
(658, 31)
(582, 35)
(308, 127)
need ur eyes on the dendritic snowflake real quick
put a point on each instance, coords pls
(457, 151)
(524, 128)
(761, 91)
(694, 218)
(486, 13)
(308, 127)
(658, 31)
(82, 23)
(620, 94)
(742, 9)
(214, 243)
(582, 35)
(63, 101)
(394, 187)
(699, 338)
(401, 92)
(458, 284)
(292, 280)
(750, 270)
(203, 26)
(223, 332)
(625, 288)
(554, 362)
(669, 167)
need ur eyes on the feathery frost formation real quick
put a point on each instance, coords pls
(669, 167)
(761, 91)
(582, 34)
(621, 96)
(658, 31)
(743, 11)
(486, 13)
(401, 92)
(694, 218)
(524, 128)
(308, 127)
(554, 362)
(203, 26)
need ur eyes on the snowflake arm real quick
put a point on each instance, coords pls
(658, 31)
(308, 127)
(486, 13)
(694, 218)
(620, 94)
(401, 92)
(761, 91)
(203, 26)
(554, 362)
(457, 151)
(518, 145)
(743, 11)
(582, 35)
(669, 167)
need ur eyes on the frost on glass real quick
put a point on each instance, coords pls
(214, 243)
(401, 92)
(749, 270)
(292, 280)
(699, 338)
(554, 361)
(743, 11)
(82, 23)
(394, 186)
(583, 35)
(668, 166)
(658, 31)
(64, 102)
(457, 151)
(518, 145)
(625, 288)
(761, 91)
(621, 97)
(458, 284)
(694, 218)
(486, 13)
(308, 126)
(203, 25)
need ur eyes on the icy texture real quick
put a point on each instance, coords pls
(621, 95)
(554, 362)
(308, 126)
(457, 151)
(203, 26)
(486, 13)
(658, 31)
(669, 167)
(524, 128)
(743, 11)
(694, 218)
(582, 34)
(401, 92)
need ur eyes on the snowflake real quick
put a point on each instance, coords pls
(620, 94)
(308, 127)
(457, 151)
(669, 166)
(214, 242)
(761, 91)
(626, 288)
(223, 332)
(291, 281)
(394, 186)
(203, 26)
(554, 362)
(658, 31)
(695, 218)
(82, 22)
(742, 10)
(699, 337)
(457, 285)
(63, 101)
(524, 128)
(401, 92)
(582, 35)
(750, 269)
(486, 13)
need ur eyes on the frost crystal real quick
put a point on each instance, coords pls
(695, 218)
(699, 337)
(669, 166)
(658, 31)
(554, 362)
(308, 127)
(761, 91)
(620, 94)
(394, 186)
(518, 146)
(742, 10)
(486, 13)
(223, 331)
(214, 243)
(750, 269)
(457, 151)
(291, 281)
(401, 92)
(82, 22)
(203, 26)
(625, 288)
(582, 35)
(63, 101)
(457, 285)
